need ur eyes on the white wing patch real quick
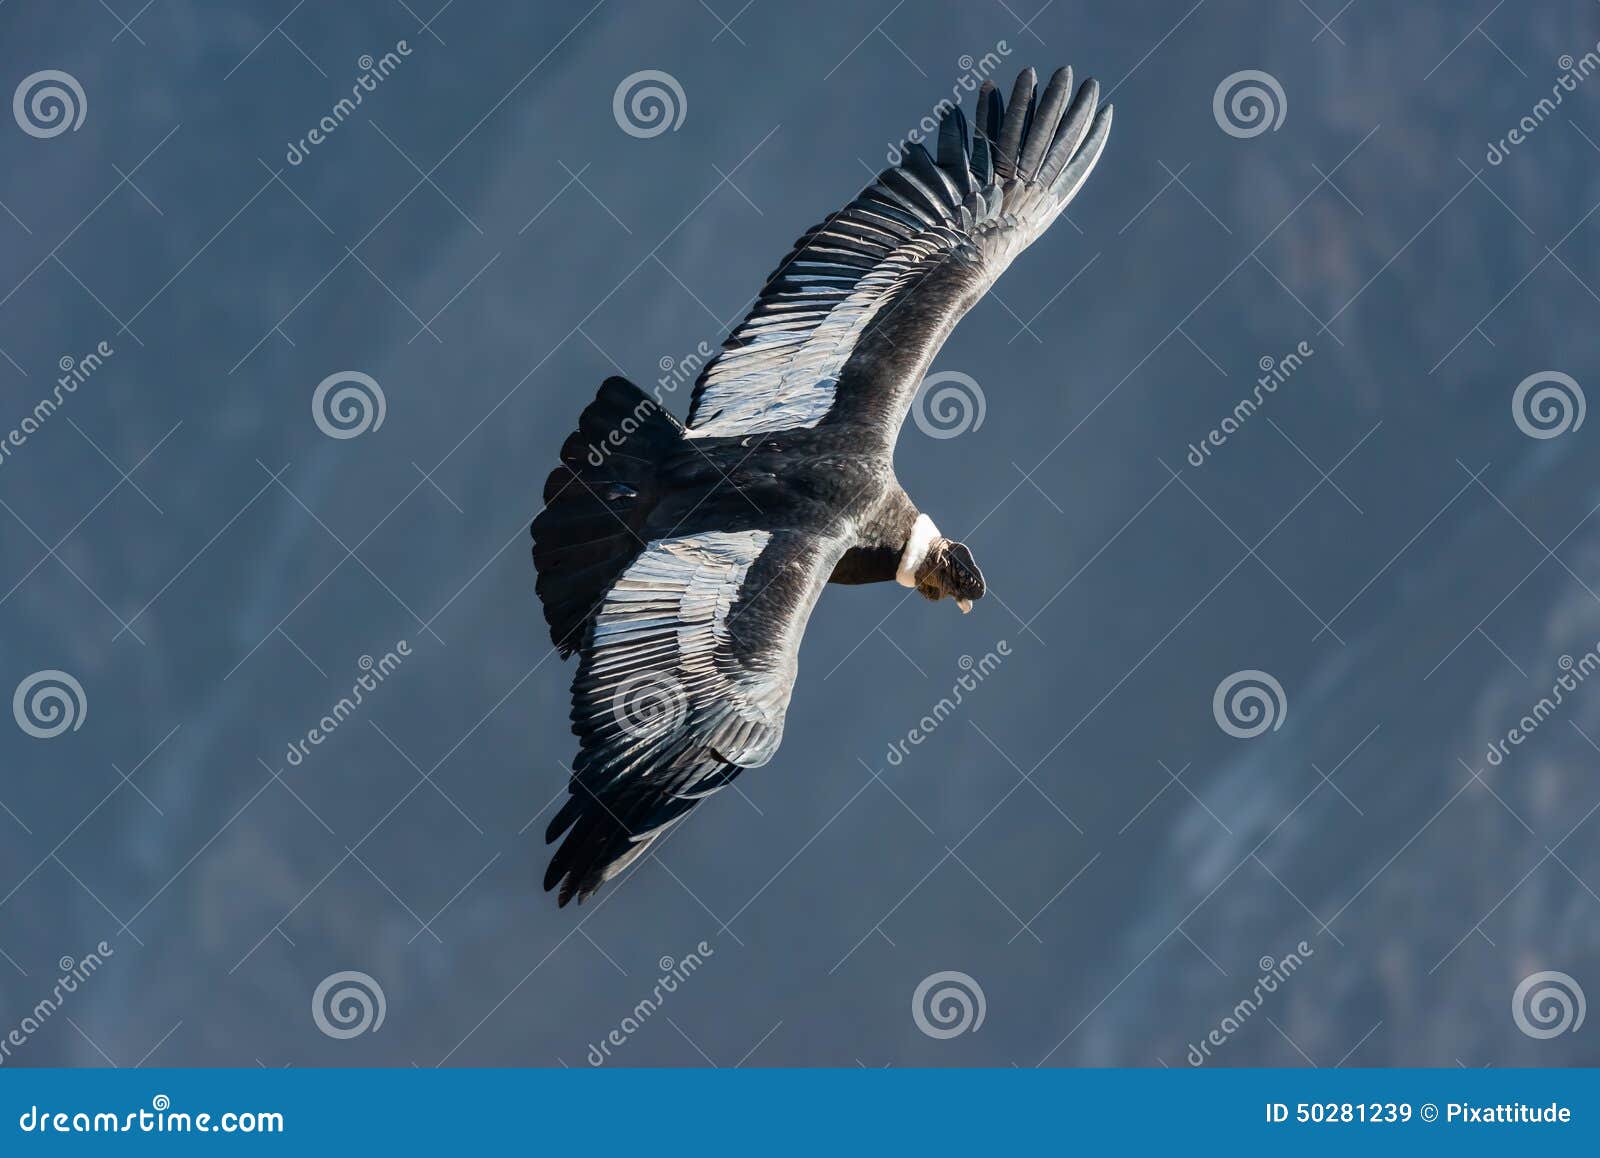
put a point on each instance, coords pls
(978, 205)
(662, 631)
(786, 376)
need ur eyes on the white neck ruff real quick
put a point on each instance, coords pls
(923, 534)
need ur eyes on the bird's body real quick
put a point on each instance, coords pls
(682, 562)
(813, 477)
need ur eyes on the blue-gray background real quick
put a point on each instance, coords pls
(484, 240)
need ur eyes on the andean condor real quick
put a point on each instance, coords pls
(681, 562)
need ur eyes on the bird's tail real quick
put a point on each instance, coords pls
(596, 503)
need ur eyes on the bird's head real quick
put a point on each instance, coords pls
(949, 570)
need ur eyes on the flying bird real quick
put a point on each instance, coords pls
(681, 561)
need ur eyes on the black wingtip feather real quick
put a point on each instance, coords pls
(953, 156)
(988, 115)
(597, 849)
(1069, 136)
(1087, 155)
(1047, 116)
(1013, 128)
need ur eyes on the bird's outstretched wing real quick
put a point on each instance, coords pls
(683, 683)
(846, 327)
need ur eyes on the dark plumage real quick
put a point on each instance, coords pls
(681, 562)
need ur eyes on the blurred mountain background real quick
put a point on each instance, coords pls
(1081, 838)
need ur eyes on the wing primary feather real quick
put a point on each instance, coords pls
(982, 162)
(1043, 129)
(953, 156)
(1071, 133)
(987, 121)
(1082, 164)
(1015, 124)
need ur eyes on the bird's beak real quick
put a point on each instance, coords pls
(965, 605)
